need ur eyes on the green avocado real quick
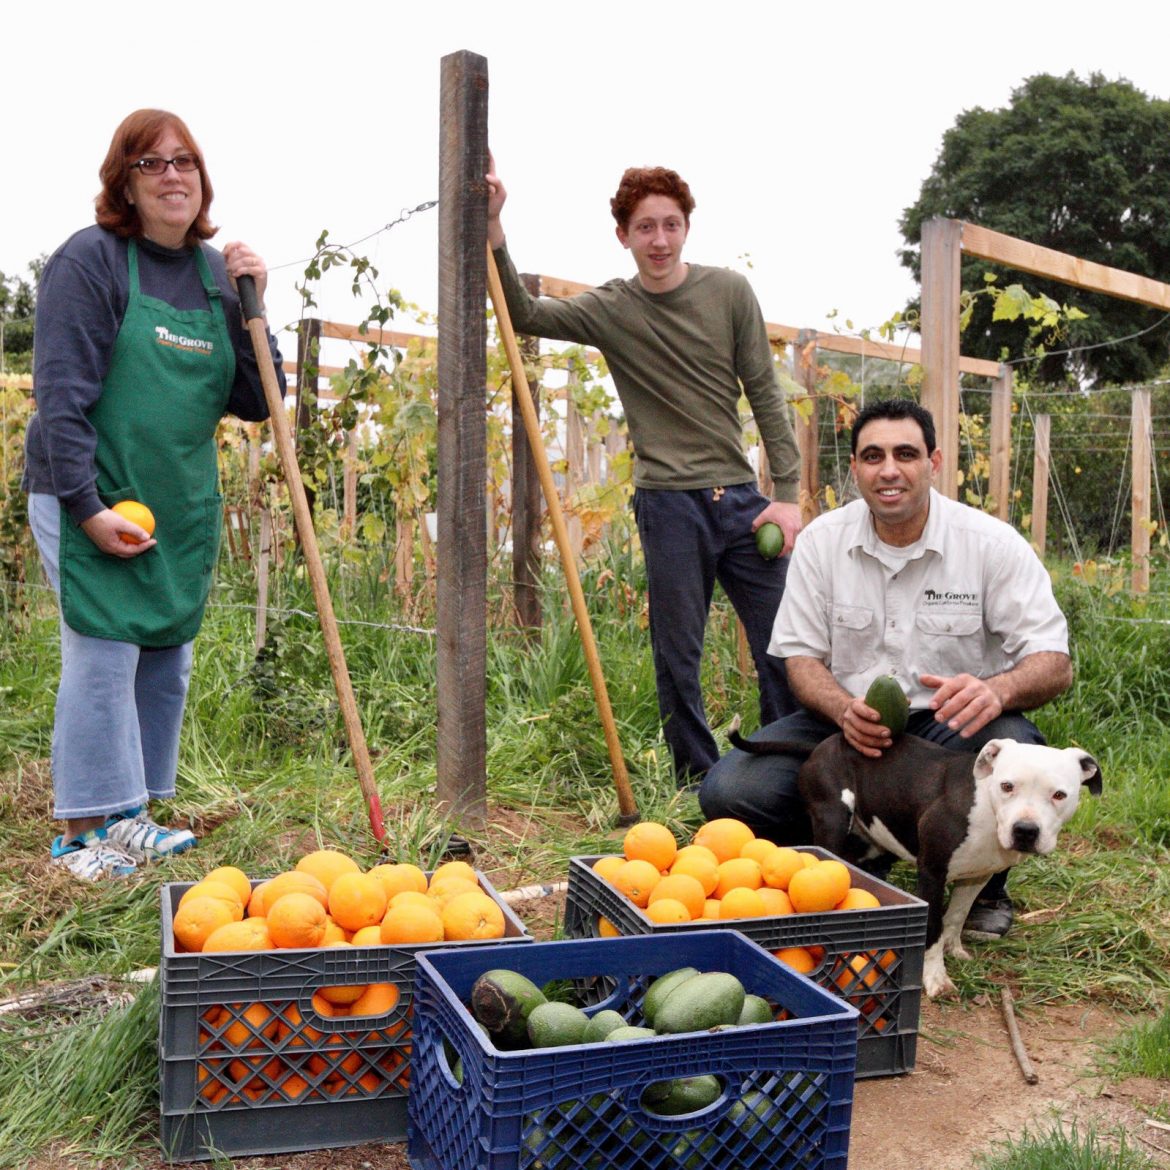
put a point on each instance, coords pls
(770, 541)
(885, 695)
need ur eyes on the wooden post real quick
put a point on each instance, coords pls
(1140, 521)
(1040, 483)
(262, 579)
(941, 262)
(526, 506)
(1001, 442)
(461, 584)
(349, 484)
(308, 361)
(804, 361)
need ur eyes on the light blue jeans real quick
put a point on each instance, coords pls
(119, 707)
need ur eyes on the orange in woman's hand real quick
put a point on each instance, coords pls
(136, 513)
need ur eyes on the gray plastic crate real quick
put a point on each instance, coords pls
(248, 1066)
(888, 943)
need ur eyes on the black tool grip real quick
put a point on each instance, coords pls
(249, 302)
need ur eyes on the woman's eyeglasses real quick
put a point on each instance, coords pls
(184, 163)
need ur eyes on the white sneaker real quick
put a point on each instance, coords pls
(143, 839)
(91, 857)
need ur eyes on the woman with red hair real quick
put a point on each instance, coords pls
(140, 349)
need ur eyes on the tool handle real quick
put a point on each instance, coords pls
(249, 301)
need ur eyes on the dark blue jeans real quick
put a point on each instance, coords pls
(690, 540)
(762, 792)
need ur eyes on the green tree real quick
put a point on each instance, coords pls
(18, 299)
(1079, 166)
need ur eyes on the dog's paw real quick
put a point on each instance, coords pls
(935, 981)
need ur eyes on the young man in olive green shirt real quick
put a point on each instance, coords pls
(683, 342)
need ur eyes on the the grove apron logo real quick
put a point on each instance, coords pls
(178, 341)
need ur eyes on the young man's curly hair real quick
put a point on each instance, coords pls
(638, 182)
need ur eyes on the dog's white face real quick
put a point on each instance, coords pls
(1033, 790)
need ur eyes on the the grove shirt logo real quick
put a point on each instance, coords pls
(950, 599)
(178, 341)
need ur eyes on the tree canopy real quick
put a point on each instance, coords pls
(18, 299)
(1079, 166)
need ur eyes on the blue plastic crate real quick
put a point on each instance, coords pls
(787, 1086)
(885, 944)
(235, 1080)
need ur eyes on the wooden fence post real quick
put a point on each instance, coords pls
(574, 462)
(941, 262)
(1040, 482)
(1001, 442)
(1140, 521)
(461, 581)
(526, 506)
(804, 363)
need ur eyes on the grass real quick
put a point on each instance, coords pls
(265, 776)
(1061, 1149)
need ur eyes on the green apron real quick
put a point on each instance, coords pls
(166, 390)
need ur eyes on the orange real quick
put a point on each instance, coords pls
(679, 887)
(741, 902)
(636, 878)
(221, 890)
(808, 860)
(724, 836)
(855, 972)
(668, 910)
(379, 998)
(758, 848)
(650, 841)
(398, 876)
(798, 958)
(711, 908)
(412, 924)
(472, 914)
(327, 865)
(737, 872)
(256, 907)
(249, 934)
(334, 932)
(606, 929)
(858, 899)
(357, 900)
(368, 936)
(298, 882)
(198, 917)
(343, 994)
(779, 866)
(700, 863)
(604, 867)
(818, 887)
(232, 876)
(448, 869)
(136, 513)
(775, 901)
(296, 920)
(442, 891)
(413, 897)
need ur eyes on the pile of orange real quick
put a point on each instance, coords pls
(726, 871)
(326, 900)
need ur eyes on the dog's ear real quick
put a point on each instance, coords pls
(1090, 771)
(985, 761)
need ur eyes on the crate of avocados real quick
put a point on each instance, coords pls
(872, 957)
(254, 1059)
(773, 1089)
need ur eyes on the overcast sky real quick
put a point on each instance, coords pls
(804, 130)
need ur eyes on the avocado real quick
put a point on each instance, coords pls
(770, 540)
(885, 695)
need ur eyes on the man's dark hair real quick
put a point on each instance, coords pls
(895, 409)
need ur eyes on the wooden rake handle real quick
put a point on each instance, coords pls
(627, 807)
(308, 537)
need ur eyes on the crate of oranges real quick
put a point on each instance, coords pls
(286, 1003)
(857, 936)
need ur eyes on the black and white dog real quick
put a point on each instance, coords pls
(959, 817)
